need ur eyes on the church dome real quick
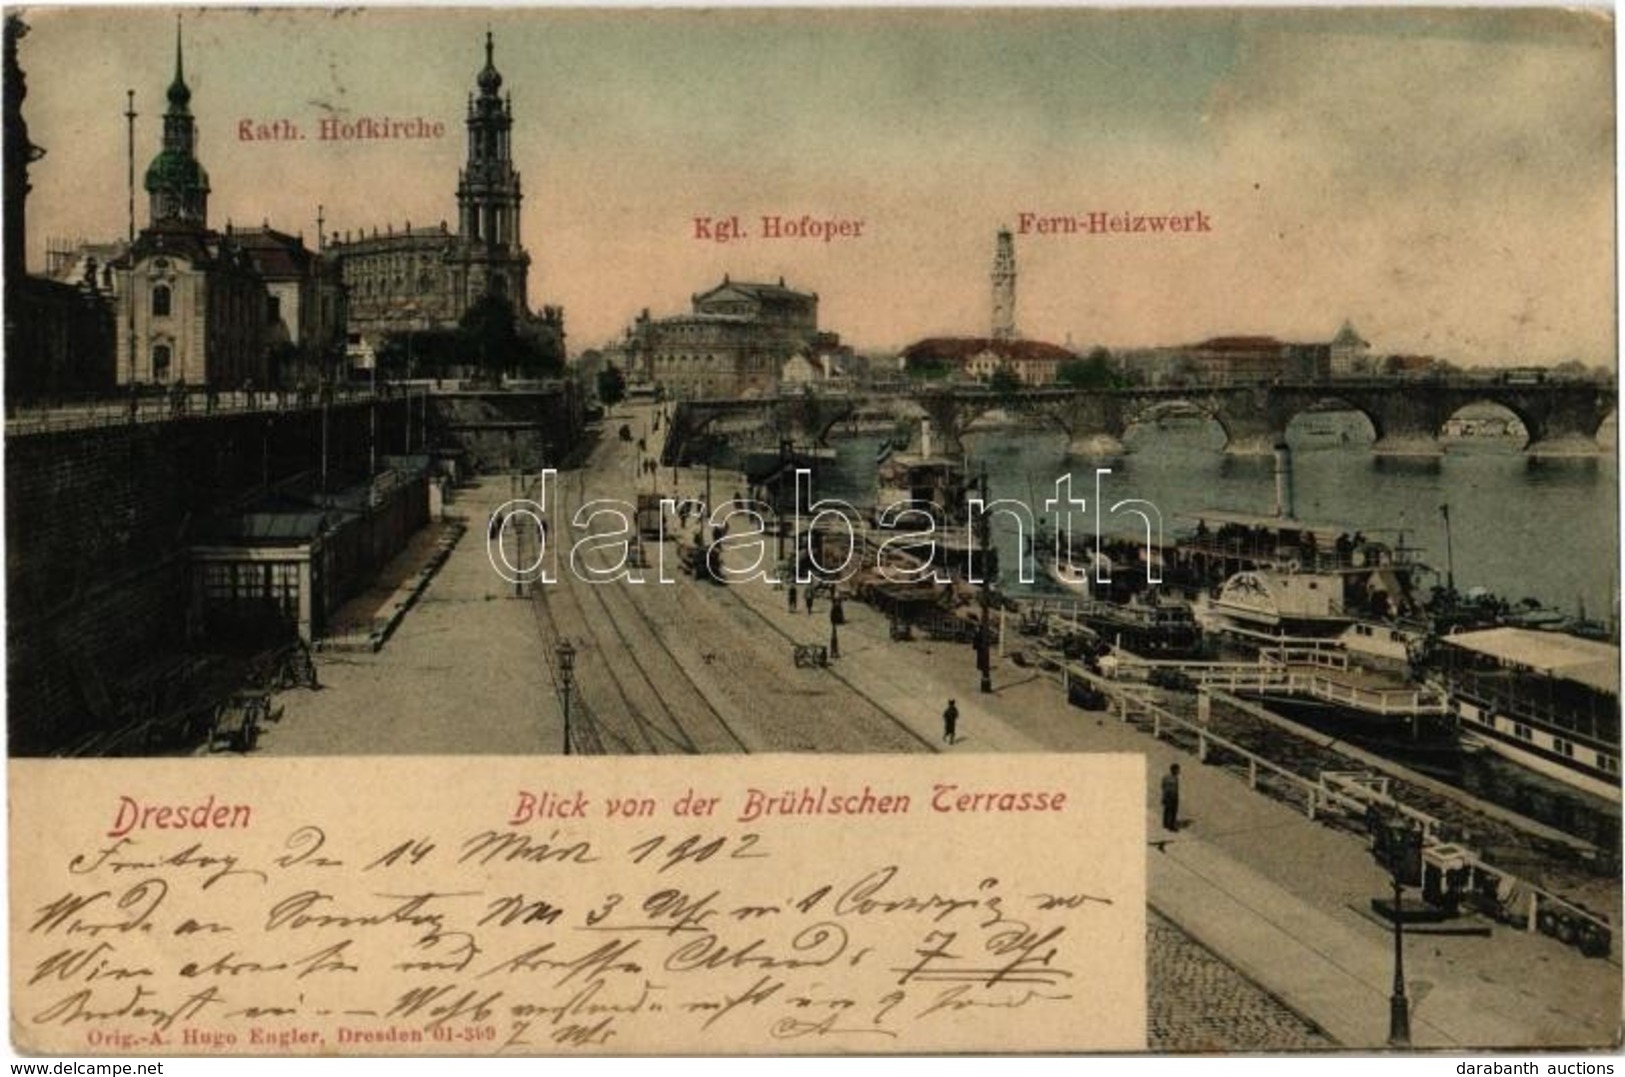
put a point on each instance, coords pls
(490, 80)
(176, 171)
(180, 95)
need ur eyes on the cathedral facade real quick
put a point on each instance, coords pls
(192, 307)
(414, 279)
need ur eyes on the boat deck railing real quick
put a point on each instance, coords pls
(1333, 796)
(1298, 557)
(1271, 674)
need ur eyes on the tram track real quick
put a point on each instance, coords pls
(649, 687)
(547, 610)
(683, 672)
(683, 682)
(880, 709)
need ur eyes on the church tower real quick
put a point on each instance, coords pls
(1004, 287)
(177, 187)
(488, 194)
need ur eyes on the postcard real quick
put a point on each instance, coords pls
(1116, 511)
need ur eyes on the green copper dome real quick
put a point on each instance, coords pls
(174, 170)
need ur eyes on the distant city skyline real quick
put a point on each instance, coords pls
(1444, 179)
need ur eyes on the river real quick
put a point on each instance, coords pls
(1520, 526)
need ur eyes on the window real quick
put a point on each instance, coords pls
(1563, 747)
(160, 362)
(160, 301)
(1522, 732)
(1608, 763)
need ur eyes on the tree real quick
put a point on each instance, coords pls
(611, 386)
(1005, 382)
(1091, 372)
(421, 352)
(492, 336)
(927, 368)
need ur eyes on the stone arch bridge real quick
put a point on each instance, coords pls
(1407, 417)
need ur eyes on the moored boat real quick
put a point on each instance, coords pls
(1547, 701)
(927, 493)
(1278, 576)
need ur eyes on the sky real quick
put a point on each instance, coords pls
(1444, 179)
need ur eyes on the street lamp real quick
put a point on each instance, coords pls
(984, 661)
(836, 616)
(566, 655)
(1399, 848)
(1449, 553)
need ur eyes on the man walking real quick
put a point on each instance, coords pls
(950, 719)
(1170, 799)
(792, 596)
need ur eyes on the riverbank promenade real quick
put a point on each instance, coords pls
(690, 666)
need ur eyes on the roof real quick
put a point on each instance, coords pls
(1240, 344)
(764, 292)
(264, 528)
(1347, 338)
(199, 246)
(275, 254)
(961, 349)
(1588, 662)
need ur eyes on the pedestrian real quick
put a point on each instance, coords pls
(792, 596)
(950, 720)
(808, 595)
(1170, 799)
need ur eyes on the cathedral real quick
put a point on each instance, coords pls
(407, 279)
(192, 307)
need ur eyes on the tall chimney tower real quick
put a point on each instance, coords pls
(1004, 287)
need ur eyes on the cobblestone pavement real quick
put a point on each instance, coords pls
(1198, 1003)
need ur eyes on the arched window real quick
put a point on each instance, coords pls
(160, 301)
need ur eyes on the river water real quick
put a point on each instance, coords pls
(1544, 528)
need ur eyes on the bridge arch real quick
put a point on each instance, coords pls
(1300, 420)
(1483, 419)
(1152, 413)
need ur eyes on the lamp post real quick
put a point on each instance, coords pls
(984, 661)
(566, 655)
(129, 248)
(1399, 848)
(1449, 552)
(835, 619)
